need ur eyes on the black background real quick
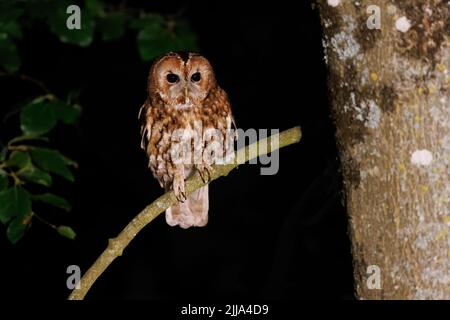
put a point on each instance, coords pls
(281, 236)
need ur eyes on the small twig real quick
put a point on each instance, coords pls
(20, 148)
(26, 138)
(44, 221)
(16, 179)
(27, 78)
(118, 244)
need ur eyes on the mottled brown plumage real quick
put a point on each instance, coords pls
(185, 126)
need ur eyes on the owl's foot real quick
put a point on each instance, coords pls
(179, 191)
(205, 173)
(181, 197)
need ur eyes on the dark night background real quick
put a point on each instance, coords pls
(282, 236)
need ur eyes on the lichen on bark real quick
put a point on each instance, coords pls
(389, 98)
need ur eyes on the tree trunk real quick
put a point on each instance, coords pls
(388, 91)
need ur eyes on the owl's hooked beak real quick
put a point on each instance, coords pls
(185, 91)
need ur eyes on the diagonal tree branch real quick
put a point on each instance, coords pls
(118, 244)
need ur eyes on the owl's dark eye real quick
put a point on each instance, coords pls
(172, 78)
(196, 77)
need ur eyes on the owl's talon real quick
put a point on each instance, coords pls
(181, 196)
(178, 190)
(209, 174)
(202, 170)
(202, 177)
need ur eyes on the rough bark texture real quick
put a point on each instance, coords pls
(389, 96)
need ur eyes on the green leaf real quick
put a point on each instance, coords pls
(66, 113)
(3, 180)
(27, 138)
(18, 159)
(10, 11)
(41, 116)
(17, 228)
(154, 41)
(67, 232)
(14, 202)
(112, 26)
(70, 162)
(147, 20)
(52, 161)
(32, 174)
(38, 118)
(95, 7)
(57, 23)
(28, 172)
(186, 38)
(54, 200)
(12, 29)
(43, 98)
(9, 57)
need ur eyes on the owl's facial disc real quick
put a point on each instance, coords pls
(182, 83)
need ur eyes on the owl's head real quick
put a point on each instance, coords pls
(181, 80)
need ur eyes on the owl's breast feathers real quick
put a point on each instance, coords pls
(160, 121)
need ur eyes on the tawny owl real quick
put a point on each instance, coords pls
(185, 126)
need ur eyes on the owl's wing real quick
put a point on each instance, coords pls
(223, 114)
(146, 124)
(227, 124)
(233, 122)
(151, 135)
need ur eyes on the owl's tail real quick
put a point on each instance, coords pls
(191, 213)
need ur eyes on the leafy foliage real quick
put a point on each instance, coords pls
(15, 203)
(157, 37)
(52, 161)
(17, 228)
(24, 165)
(155, 33)
(54, 200)
(28, 165)
(67, 232)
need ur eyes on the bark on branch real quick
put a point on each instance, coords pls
(118, 244)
